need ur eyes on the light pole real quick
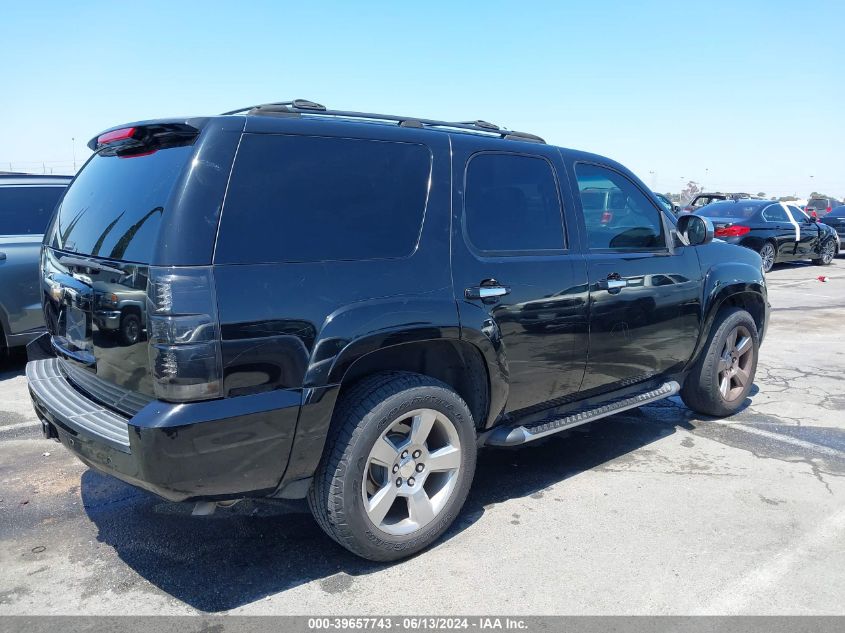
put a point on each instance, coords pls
(73, 150)
(653, 179)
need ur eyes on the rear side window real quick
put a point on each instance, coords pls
(27, 210)
(306, 198)
(114, 207)
(617, 214)
(512, 204)
(775, 213)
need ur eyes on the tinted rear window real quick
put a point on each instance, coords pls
(729, 210)
(27, 210)
(115, 205)
(818, 203)
(306, 198)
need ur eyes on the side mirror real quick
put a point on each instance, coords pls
(676, 208)
(695, 230)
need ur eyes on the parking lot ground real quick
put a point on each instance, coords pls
(654, 511)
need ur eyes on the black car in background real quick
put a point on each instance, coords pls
(836, 220)
(777, 231)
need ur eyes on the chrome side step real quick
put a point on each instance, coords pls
(515, 435)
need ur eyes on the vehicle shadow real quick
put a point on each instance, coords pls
(256, 549)
(12, 363)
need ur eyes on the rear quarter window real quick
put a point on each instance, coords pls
(26, 210)
(307, 198)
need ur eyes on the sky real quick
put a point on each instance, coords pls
(738, 96)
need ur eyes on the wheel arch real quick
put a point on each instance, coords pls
(454, 362)
(131, 309)
(723, 290)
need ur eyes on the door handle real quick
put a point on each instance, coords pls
(2, 256)
(613, 283)
(487, 290)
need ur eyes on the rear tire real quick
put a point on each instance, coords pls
(384, 495)
(723, 375)
(767, 254)
(828, 252)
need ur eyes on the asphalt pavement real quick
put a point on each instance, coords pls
(653, 511)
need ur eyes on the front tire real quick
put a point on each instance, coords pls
(397, 466)
(130, 328)
(767, 254)
(723, 375)
(828, 252)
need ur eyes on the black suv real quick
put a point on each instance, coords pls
(344, 306)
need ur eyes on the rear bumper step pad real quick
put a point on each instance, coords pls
(51, 390)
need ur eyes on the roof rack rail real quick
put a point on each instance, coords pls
(304, 106)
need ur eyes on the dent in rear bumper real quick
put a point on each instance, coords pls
(219, 449)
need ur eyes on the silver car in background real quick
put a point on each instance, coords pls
(26, 207)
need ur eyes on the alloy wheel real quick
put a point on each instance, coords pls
(767, 253)
(735, 363)
(828, 252)
(411, 472)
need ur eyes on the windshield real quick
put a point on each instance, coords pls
(114, 207)
(729, 210)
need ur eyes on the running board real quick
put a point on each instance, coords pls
(515, 435)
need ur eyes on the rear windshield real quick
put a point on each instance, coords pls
(114, 207)
(818, 203)
(703, 200)
(27, 210)
(729, 210)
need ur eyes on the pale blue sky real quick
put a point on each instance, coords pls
(737, 95)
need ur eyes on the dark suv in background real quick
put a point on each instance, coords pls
(820, 207)
(345, 306)
(26, 205)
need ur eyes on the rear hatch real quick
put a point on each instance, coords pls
(128, 325)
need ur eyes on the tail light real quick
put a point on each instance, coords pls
(828, 210)
(732, 230)
(184, 334)
(606, 217)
